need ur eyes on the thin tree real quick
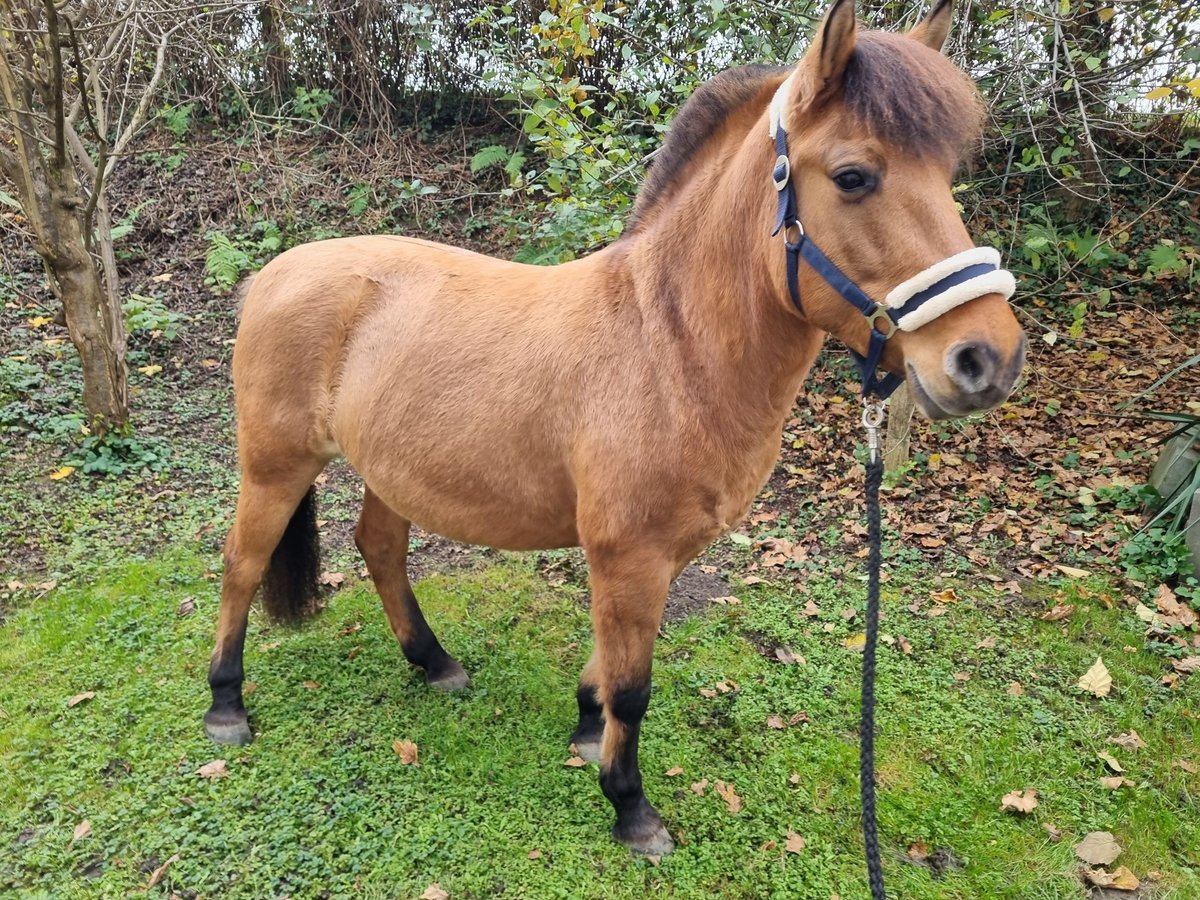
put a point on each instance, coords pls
(76, 84)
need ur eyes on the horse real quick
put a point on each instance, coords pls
(630, 402)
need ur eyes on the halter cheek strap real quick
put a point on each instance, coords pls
(912, 303)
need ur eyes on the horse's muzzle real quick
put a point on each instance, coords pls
(977, 379)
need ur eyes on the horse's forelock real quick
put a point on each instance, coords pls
(909, 96)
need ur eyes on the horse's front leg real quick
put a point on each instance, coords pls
(629, 591)
(589, 733)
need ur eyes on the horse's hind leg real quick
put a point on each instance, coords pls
(382, 539)
(629, 591)
(266, 509)
(590, 731)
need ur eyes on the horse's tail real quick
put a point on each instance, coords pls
(289, 588)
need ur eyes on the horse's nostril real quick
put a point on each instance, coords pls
(972, 365)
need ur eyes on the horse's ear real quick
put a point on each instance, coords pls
(831, 50)
(934, 27)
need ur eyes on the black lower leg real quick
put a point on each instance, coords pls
(226, 720)
(638, 823)
(590, 729)
(420, 645)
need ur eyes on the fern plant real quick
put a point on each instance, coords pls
(224, 262)
(228, 258)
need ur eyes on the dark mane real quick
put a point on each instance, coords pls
(893, 86)
(705, 111)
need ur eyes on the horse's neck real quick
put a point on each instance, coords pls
(711, 280)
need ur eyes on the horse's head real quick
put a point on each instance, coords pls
(876, 125)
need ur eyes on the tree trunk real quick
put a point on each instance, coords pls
(90, 302)
(94, 321)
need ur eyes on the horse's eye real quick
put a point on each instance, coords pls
(850, 180)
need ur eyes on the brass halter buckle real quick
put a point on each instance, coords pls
(880, 314)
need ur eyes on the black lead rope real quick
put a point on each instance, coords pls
(872, 419)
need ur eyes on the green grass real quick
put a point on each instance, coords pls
(320, 806)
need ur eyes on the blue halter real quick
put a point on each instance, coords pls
(951, 282)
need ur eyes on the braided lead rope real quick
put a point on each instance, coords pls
(872, 419)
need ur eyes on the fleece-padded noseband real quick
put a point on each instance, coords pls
(912, 303)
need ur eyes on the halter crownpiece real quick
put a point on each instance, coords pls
(914, 302)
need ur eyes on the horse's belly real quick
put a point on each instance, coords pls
(479, 487)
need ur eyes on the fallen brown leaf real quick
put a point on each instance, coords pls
(1096, 680)
(918, 852)
(312, 685)
(1071, 571)
(727, 793)
(1098, 848)
(534, 854)
(794, 843)
(332, 579)
(1120, 880)
(1124, 880)
(811, 610)
(407, 751)
(435, 892)
(944, 596)
(1052, 832)
(1186, 666)
(157, 875)
(575, 762)
(213, 770)
(1115, 782)
(1109, 760)
(1016, 689)
(1185, 765)
(698, 787)
(787, 657)
(82, 830)
(80, 698)
(1059, 612)
(673, 771)
(1128, 740)
(1019, 801)
(775, 722)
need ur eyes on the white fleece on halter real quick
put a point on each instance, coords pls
(999, 281)
(780, 103)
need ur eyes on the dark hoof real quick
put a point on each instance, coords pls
(643, 832)
(452, 678)
(587, 749)
(228, 729)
